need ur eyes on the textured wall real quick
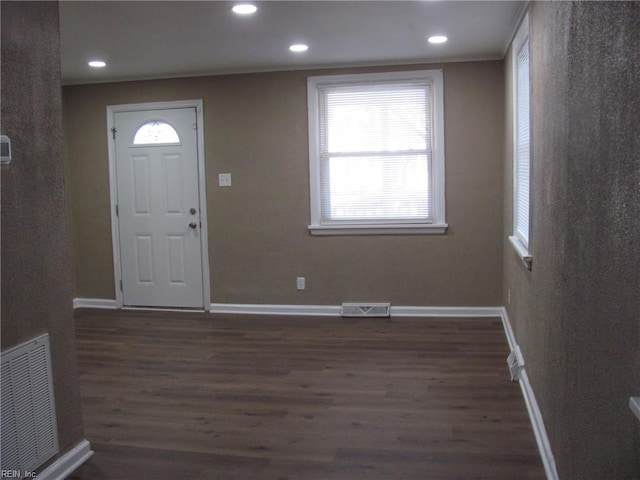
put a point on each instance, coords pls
(36, 273)
(256, 128)
(577, 314)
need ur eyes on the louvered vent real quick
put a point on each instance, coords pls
(29, 430)
(366, 309)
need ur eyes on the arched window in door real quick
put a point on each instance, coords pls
(156, 132)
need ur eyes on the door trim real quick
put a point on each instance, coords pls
(115, 229)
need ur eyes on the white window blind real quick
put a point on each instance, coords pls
(522, 145)
(373, 150)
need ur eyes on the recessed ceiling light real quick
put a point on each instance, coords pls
(299, 47)
(97, 64)
(244, 9)
(437, 39)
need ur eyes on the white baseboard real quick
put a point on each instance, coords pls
(264, 309)
(315, 310)
(334, 310)
(67, 463)
(465, 312)
(94, 303)
(548, 461)
(535, 416)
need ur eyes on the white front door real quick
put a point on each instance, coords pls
(158, 210)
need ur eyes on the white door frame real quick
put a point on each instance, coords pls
(115, 229)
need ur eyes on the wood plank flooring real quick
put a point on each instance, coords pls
(204, 397)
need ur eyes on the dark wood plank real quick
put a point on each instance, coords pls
(199, 396)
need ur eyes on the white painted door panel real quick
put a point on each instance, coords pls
(157, 188)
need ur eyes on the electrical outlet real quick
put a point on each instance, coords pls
(301, 283)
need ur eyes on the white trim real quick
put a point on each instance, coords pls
(466, 312)
(113, 199)
(115, 235)
(320, 227)
(522, 251)
(521, 32)
(334, 310)
(67, 463)
(307, 310)
(164, 309)
(311, 310)
(522, 11)
(535, 416)
(537, 422)
(95, 303)
(508, 331)
(263, 309)
(113, 305)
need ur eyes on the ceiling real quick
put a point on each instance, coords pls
(161, 39)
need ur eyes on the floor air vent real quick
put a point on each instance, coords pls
(29, 431)
(366, 310)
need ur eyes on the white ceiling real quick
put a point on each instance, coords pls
(159, 39)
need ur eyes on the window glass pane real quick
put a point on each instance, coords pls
(377, 187)
(156, 132)
(377, 119)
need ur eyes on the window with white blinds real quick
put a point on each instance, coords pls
(522, 149)
(376, 153)
(521, 142)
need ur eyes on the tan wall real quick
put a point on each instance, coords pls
(256, 129)
(36, 271)
(577, 313)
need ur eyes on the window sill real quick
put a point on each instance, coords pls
(522, 251)
(382, 229)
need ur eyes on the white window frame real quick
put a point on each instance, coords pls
(438, 224)
(520, 242)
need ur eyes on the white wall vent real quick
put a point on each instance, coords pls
(366, 310)
(29, 428)
(515, 360)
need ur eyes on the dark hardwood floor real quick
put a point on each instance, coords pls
(204, 397)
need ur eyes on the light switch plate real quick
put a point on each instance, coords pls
(224, 179)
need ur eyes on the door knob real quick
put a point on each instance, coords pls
(192, 211)
(193, 225)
